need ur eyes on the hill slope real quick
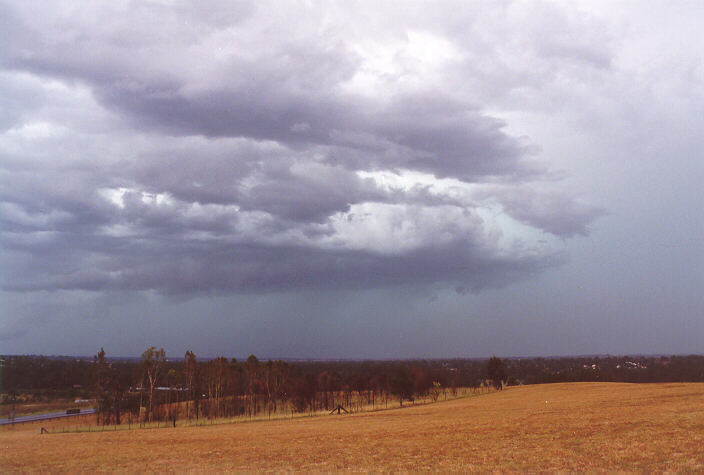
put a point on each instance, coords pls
(576, 426)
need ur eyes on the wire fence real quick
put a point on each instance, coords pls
(89, 423)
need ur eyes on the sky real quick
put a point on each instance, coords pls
(369, 180)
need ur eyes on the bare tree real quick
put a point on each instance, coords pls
(153, 362)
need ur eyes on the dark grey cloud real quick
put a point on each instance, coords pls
(176, 265)
(351, 180)
(557, 213)
(190, 150)
(291, 92)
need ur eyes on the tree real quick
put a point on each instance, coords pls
(216, 378)
(252, 370)
(118, 387)
(436, 390)
(192, 383)
(173, 408)
(304, 392)
(153, 362)
(402, 384)
(495, 372)
(102, 381)
(110, 389)
(325, 383)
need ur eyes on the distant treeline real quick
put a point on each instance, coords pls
(154, 388)
(631, 369)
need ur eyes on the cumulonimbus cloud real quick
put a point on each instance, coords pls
(173, 152)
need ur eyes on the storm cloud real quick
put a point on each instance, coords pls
(168, 148)
(351, 179)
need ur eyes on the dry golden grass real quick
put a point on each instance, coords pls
(579, 426)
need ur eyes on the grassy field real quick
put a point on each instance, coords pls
(578, 426)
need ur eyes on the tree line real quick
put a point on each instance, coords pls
(160, 389)
(154, 388)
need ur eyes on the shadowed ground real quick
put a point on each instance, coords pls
(577, 426)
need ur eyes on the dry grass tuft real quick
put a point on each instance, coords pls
(574, 427)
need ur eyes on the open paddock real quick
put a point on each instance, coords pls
(575, 426)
